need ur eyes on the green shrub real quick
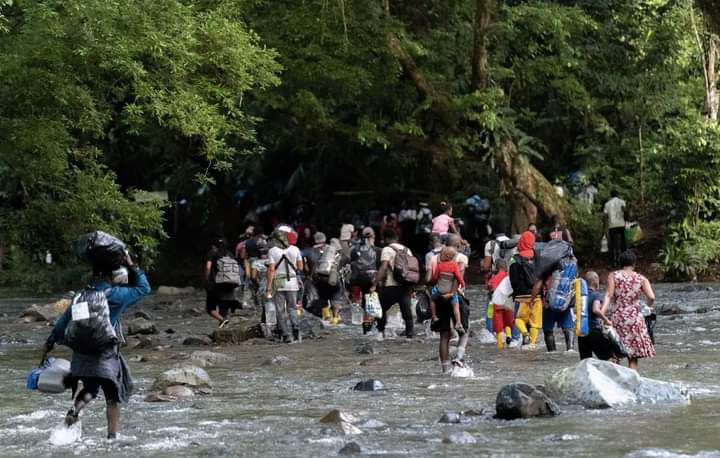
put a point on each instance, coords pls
(690, 250)
(586, 229)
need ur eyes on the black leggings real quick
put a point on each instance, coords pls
(401, 295)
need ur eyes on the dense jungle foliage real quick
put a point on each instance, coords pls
(342, 105)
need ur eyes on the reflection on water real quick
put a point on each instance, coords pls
(273, 410)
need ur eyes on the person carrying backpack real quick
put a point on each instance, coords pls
(364, 263)
(324, 268)
(528, 309)
(399, 271)
(284, 265)
(92, 327)
(223, 275)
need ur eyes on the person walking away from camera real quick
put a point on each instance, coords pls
(555, 287)
(222, 276)
(407, 220)
(241, 255)
(444, 222)
(625, 288)
(595, 342)
(447, 279)
(252, 248)
(559, 231)
(364, 263)
(284, 263)
(614, 226)
(392, 292)
(431, 255)
(258, 274)
(103, 367)
(528, 312)
(423, 227)
(323, 266)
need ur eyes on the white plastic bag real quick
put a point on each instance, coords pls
(372, 305)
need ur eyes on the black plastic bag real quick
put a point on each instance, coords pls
(101, 249)
(546, 260)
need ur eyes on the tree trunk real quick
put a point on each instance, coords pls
(711, 92)
(483, 14)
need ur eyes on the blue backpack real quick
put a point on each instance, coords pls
(561, 292)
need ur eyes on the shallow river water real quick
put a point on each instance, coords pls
(256, 409)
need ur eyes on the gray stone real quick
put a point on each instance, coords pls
(191, 376)
(142, 314)
(366, 348)
(47, 312)
(460, 438)
(239, 330)
(341, 422)
(450, 417)
(520, 400)
(278, 360)
(369, 385)
(178, 391)
(173, 291)
(141, 326)
(680, 308)
(157, 397)
(197, 340)
(309, 326)
(137, 359)
(140, 342)
(209, 358)
(600, 384)
(351, 448)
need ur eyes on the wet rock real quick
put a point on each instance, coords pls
(157, 397)
(197, 340)
(178, 391)
(209, 358)
(141, 326)
(239, 330)
(367, 348)
(141, 342)
(460, 438)
(47, 312)
(141, 314)
(473, 413)
(599, 384)
(169, 331)
(173, 291)
(309, 326)
(191, 376)
(450, 418)
(341, 422)
(520, 400)
(680, 308)
(137, 359)
(351, 448)
(369, 385)
(279, 360)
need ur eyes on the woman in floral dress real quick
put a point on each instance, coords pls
(625, 287)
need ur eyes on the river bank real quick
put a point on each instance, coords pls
(260, 404)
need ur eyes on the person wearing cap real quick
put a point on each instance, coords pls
(331, 296)
(283, 268)
(123, 287)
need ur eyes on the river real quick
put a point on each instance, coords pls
(256, 409)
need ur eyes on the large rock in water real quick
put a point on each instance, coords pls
(141, 326)
(520, 400)
(47, 312)
(191, 376)
(341, 422)
(599, 384)
(209, 358)
(239, 330)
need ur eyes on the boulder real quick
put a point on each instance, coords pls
(367, 348)
(197, 340)
(141, 326)
(279, 360)
(309, 326)
(341, 422)
(141, 314)
(460, 438)
(519, 400)
(450, 418)
(369, 385)
(239, 330)
(140, 342)
(178, 391)
(209, 358)
(173, 291)
(600, 384)
(681, 308)
(47, 312)
(351, 448)
(191, 376)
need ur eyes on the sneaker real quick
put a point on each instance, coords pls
(223, 324)
(71, 417)
(515, 343)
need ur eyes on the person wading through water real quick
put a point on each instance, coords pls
(98, 364)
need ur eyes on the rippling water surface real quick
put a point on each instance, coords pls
(273, 410)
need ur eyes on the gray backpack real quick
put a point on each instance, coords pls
(89, 329)
(227, 271)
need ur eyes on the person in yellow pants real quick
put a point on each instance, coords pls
(528, 315)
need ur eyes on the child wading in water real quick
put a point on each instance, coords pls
(447, 278)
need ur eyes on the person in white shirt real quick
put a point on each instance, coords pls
(614, 211)
(284, 263)
(392, 292)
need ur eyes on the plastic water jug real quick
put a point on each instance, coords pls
(357, 314)
(52, 379)
(270, 314)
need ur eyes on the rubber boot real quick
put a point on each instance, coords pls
(569, 339)
(500, 340)
(326, 313)
(534, 335)
(550, 341)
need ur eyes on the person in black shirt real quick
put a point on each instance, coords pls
(595, 342)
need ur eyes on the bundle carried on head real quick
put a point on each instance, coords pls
(105, 252)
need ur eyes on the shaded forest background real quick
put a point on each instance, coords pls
(231, 105)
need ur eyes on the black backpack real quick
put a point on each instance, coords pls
(89, 330)
(364, 265)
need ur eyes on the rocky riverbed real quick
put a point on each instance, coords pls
(264, 398)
